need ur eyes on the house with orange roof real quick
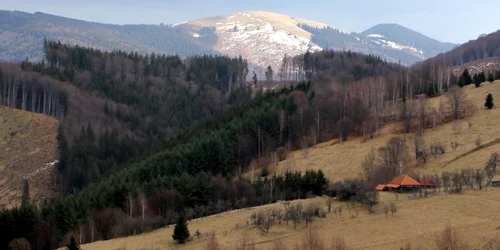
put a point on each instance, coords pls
(401, 183)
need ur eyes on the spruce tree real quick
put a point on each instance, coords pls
(489, 101)
(73, 245)
(491, 77)
(477, 80)
(482, 76)
(467, 77)
(461, 81)
(181, 231)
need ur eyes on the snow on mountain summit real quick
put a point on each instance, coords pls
(261, 37)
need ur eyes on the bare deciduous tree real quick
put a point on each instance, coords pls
(479, 178)
(491, 166)
(329, 203)
(394, 154)
(368, 165)
(212, 243)
(386, 210)
(339, 244)
(456, 99)
(456, 127)
(422, 114)
(420, 148)
(450, 239)
(393, 208)
(406, 115)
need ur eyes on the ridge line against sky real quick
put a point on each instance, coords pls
(447, 21)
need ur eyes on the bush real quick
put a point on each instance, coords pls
(282, 153)
(19, 244)
(437, 148)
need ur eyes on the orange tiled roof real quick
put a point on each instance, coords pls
(380, 187)
(392, 185)
(404, 180)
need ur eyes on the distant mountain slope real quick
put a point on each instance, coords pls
(22, 34)
(390, 41)
(486, 46)
(406, 37)
(261, 37)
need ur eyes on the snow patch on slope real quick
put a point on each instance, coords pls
(264, 45)
(375, 35)
(401, 47)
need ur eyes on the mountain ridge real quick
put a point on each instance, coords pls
(260, 36)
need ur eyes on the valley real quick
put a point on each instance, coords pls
(247, 130)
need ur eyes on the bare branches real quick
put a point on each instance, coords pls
(394, 208)
(368, 165)
(437, 148)
(394, 155)
(456, 99)
(450, 239)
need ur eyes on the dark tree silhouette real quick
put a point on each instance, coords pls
(489, 101)
(181, 230)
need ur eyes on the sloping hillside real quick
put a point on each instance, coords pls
(486, 46)
(472, 214)
(28, 149)
(341, 161)
(22, 35)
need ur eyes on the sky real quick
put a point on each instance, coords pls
(455, 21)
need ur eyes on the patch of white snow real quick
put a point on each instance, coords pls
(375, 35)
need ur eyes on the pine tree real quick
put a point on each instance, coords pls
(482, 77)
(461, 81)
(477, 80)
(181, 231)
(73, 245)
(491, 77)
(489, 101)
(467, 77)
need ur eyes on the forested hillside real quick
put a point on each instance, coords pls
(22, 34)
(486, 46)
(123, 103)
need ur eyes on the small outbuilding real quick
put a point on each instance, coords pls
(401, 183)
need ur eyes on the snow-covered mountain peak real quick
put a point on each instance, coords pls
(261, 37)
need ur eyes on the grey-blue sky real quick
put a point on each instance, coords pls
(446, 20)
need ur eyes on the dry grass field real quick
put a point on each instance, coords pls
(27, 143)
(341, 161)
(473, 214)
